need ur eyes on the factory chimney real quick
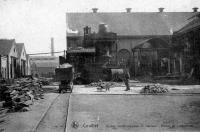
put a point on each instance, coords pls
(94, 10)
(161, 9)
(128, 10)
(52, 46)
(195, 9)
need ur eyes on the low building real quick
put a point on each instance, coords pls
(13, 59)
(8, 55)
(44, 65)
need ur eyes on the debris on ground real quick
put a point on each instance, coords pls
(44, 81)
(102, 85)
(175, 89)
(21, 94)
(156, 88)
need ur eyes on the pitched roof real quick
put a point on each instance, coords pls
(191, 25)
(20, 47)
(155, 43)
(5, 46)
(128, 24)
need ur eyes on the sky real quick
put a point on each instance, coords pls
(34, 22)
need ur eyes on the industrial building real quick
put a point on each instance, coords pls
(144, 39)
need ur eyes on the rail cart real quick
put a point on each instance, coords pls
(65, 75)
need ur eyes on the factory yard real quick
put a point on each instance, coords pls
(88, 109)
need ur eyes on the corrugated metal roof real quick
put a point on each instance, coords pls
(5, 46)
(128, 24)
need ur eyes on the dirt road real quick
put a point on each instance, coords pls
(117, 113)
(55, 118)
(112, 111)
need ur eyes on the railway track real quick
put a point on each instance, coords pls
(55, 117)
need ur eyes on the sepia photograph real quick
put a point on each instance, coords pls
(99, 66)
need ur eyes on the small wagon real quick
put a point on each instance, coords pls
(65, 74)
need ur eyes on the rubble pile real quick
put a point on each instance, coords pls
(21, 94)
(44, 81)
(154, 89)
(101, 83)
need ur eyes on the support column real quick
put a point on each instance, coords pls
(181, 64)
(174, 64)
(169, 65)
(8, 65)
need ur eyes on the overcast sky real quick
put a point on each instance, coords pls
(34, 22)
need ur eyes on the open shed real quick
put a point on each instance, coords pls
(151, 57)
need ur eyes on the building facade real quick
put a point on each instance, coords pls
(134, 30)
(22, 60)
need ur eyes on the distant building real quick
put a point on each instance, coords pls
(44, 65)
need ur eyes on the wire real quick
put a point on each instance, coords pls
(47, 53)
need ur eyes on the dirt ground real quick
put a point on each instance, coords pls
(88, 109)
(46, 115)
(133, 113)
(27, 121)
(119, 110)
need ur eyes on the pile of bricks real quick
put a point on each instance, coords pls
(153, 89)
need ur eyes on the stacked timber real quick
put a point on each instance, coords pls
(21, 94)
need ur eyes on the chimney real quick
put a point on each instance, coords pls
(161, 9)
(52, 46)
(195, 9)
(94, 10)
(128, 10)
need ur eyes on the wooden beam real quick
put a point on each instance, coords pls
(0, 68)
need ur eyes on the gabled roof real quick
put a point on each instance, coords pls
(128, 24)
(152, 43)
(6, 45)
(20, 47)
(191, 25)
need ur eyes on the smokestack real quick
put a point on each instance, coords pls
(128, 10)
(195, 9)
(161, 9)
(94, 10)
(52, 46)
